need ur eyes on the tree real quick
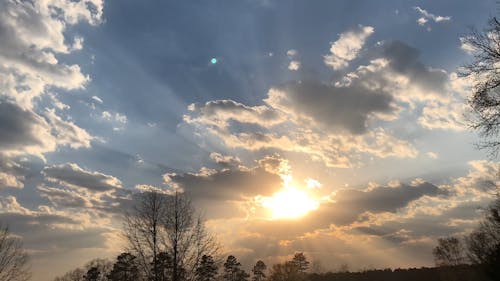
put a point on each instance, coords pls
(485, 72)
(207, 269)
(163, 223)
(93, 274)
(288, 271)
(124, 269)
(299, 259)
(142, 229)
(13, 258)
(483, 244)
(233, 271)
(449, 252)
(258, 271)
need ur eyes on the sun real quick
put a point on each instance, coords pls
(289, 203)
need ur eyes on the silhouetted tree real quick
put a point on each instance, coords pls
(259, 271)
(299, 259)
(483, 244)
(233, 271)
(93, 274)
(13, 258)
(449, 251)
(124, 269)
(485, 70)
(163, 267)
(167, 223)
(288, 271)
(206, 269)
(102, 266)
(143, 230)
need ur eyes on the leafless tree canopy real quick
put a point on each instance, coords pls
(13, 258)
(485, 97)
(450, 251)
(167, 225)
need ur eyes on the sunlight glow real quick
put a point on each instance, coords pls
(290, 203)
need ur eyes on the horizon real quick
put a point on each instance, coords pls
(332, 128)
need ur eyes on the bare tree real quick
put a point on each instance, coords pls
(450, 251)
(485, 71)
(168, 224)
(13, 258)
(143, 231)
(483, 244)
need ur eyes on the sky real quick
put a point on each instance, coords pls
(333, 128)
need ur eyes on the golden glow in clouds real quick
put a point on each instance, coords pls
(289, 203)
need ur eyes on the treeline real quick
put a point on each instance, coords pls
(126, 267)
(480, 248)
(448, 273)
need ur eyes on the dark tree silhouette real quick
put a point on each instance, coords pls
(449, 251)
(259, 271)
(206, 269)
(300, 261)
(483, 244)
(93, 274)
(288, 271)
(13, 258)
(142, 228)
(124, 269)
(161, 223)
(485, 71)
(233, 271)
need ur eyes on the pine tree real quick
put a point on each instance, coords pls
(299, 260)
(125, 268)
(206, 270)
(258, 271)
(233, 271)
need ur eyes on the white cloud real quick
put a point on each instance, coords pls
(291, 53)
(294, 65)
(97, 99)
(426, 16)
(33, 35)
(347, 47)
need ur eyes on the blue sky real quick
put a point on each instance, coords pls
(100, 99)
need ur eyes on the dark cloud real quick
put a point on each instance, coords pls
(22, 128)
(329, 106)
(71, 174)
(228, 184)
(39, 231)
(404, 59)
(349, 204)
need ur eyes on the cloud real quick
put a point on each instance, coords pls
(23, 131)
(347, 47)
(97, 99)
(294, 65)
(328, 106)
(34, 34)
(233, 183)
(349, 204)
(218, 113)
(70, 174)
(426, 16)
(328, 123)
(291, 53)
(12, 173)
